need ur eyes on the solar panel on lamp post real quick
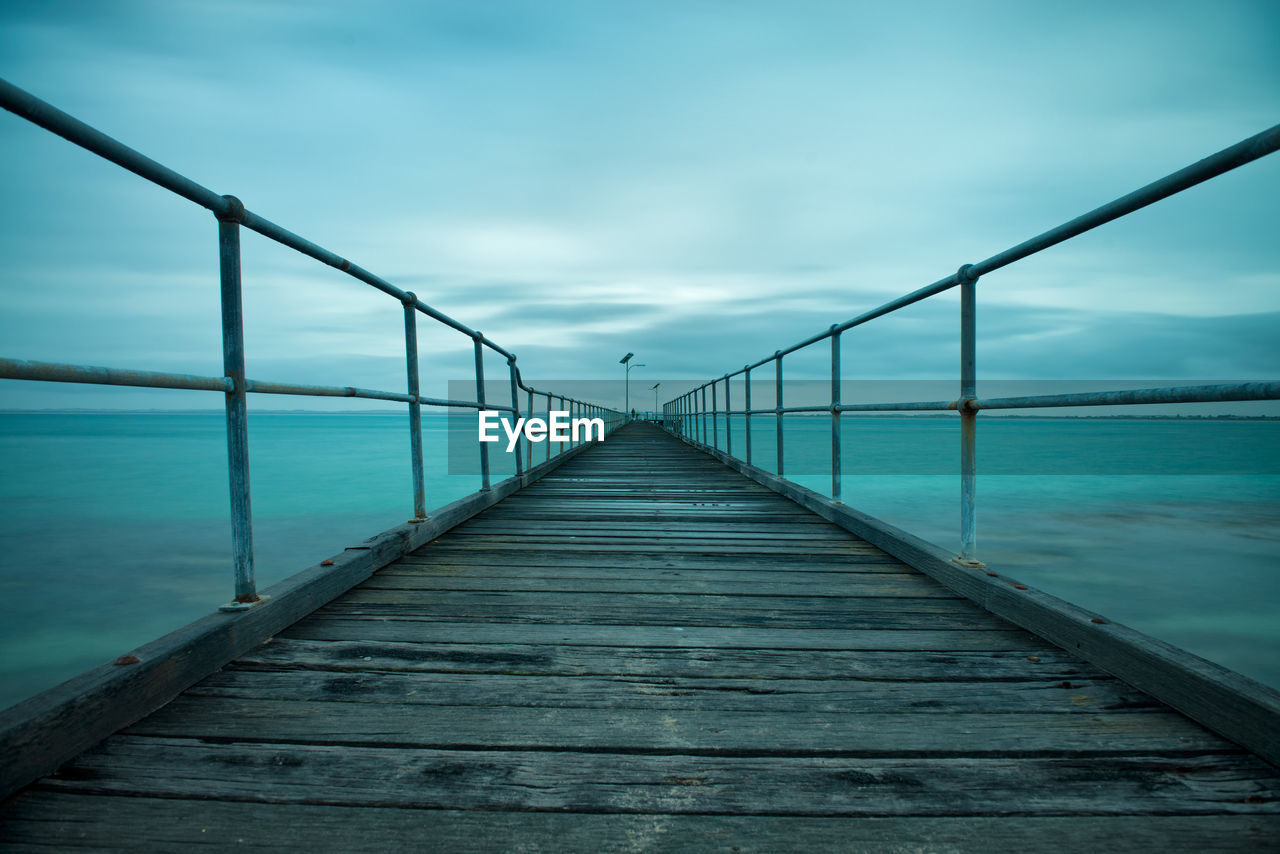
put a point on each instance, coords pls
(626, 360)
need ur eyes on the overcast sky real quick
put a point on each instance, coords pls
(700, 183)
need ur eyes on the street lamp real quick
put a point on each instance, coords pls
(654, 387)
(626, 360)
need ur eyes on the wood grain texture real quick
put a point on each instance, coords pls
(58, 822)
(677, 783)
(645, 650)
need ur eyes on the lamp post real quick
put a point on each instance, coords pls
(626, 360)
(654, 388)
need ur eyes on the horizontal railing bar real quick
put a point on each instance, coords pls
(464, 404)
(847, 407)
(913, 406)
(56, 372)
(19, 369)
(282, 235)
(262, 387)
(1136, 397)
(1172, 394)
(1246, 151)
(49, 117)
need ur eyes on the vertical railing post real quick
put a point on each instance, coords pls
(968, 417)
(246, 593)
(746, 392)
(515, 409)
(560, 450)
(835, 413)
(703, 411)
(715, 417)
(777, 382)
(547, 442)
(484, 446)
(728, 419)
(528, 446)
(415, 407)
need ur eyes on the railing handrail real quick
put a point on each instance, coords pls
(688, 412)
(231, 213)
(1246, 151)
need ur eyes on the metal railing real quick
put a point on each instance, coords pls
(688, 413)
(231, 214)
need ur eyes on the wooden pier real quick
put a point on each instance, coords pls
(645, 650)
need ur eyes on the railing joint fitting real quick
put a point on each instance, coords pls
(235, 212)
(964, 275)
(410, 298)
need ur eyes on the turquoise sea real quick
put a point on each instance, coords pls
(114, 526)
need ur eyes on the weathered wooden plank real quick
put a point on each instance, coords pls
(871, 613)
(607, 511)
(607, 547)
(534, 600)
(712, 637)
(444, 553)
(934, 734)
(1032, 664)
(804, 533)
(59, 821)
(590, 580)
(676, 783)
(796, 541)
(838, 696)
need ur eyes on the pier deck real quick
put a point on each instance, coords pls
(647, 651)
